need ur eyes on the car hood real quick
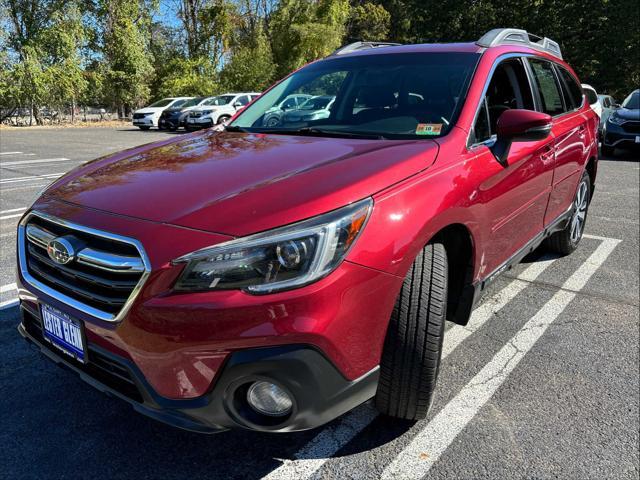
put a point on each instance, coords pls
(149, 110)
(237, 183)
(208, 107)
(628, 113)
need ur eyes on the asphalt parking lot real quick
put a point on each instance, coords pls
(542, 383)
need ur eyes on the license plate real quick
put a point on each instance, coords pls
(63, 332)
(637, 138)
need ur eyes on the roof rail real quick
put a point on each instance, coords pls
(511, 36)
(354, 47)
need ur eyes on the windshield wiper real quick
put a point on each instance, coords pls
(324, 133)
(234, 128)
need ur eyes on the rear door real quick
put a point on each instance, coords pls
(561, 96)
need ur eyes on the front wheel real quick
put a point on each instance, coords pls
(413, 345)
(566, 241)
(223, 119)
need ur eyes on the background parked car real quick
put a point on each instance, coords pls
(622, 129)
(218, 109)
(608, 105)
(174, 117)
(592, 98)
(273, 116)
(148, 117)
(316, 108)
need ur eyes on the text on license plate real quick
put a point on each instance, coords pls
(63, 332)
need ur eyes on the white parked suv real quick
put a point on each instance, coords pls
(592, 99)
(218, 109)
(148, 117)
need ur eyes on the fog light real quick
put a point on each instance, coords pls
(269, 399)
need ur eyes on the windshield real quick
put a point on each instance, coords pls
(190, 103)
(221, 100)
(404, 95)
(632, 102)
(161, 103)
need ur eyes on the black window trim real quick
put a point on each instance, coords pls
(558, 67)
(507, 56)
(554, 67)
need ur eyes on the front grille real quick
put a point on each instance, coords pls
(139, 115)
(195, 114)
(103, 273)
(631, 127)
(99, 366)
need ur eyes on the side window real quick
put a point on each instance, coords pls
(289, 103)
(547, 87)
(571, 89)
(592, 97)
(243, 100)
(509, 88)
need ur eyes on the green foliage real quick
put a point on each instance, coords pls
(250, 68)
(128, 61)
(369, 21)
(186, 77)
(305, 30)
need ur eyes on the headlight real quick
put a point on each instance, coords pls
(207, 112)
(280, 259)
(615, 119)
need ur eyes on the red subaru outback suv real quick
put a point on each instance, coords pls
(274, 276)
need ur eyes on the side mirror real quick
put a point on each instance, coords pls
(519, 126)
(237, 105)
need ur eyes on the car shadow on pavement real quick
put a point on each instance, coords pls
(55, 425)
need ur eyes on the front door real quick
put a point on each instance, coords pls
(514, 196)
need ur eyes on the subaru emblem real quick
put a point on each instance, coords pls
(61, 251)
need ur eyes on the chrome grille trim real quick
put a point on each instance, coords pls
(109, 261)
(100, 260)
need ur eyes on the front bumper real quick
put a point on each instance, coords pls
(199, 122)
(320, 392)
(625, 135)
(143, 122)
(179, 346)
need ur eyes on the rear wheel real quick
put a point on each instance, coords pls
(566, 241)
(413, 345)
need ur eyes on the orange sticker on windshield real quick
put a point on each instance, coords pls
(429, 129)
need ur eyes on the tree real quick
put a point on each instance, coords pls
(305, 30)
(250, 67)
(124, 26)
(368, 21)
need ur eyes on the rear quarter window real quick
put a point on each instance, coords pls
(571, 88)
(592, 97)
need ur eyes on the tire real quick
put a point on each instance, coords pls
(222, 119)
(144, 128)
(607, 151)
(566, 241)
(413, 345)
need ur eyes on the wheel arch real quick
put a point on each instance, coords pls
(592, 170)
(458, 242)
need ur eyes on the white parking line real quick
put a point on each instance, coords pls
(428, 445)
(331, 439)
(8, 303)
(10, 153)
(8, 288)
(30, 178)
(40, 160)
(11, 210)
(7, 217)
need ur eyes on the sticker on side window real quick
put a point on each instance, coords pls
(429, 129)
